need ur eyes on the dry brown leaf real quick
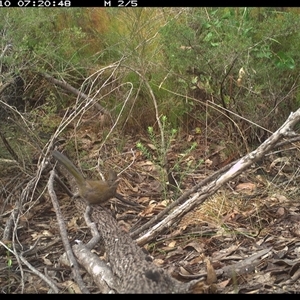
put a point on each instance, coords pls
(73, 222)
(172, 244)
(145, 163)
(47, 261)
(159, 262)
(208, 162)
(195, 245)
(151, 209)
(211, 273)
(184, 272)
(45, 233)
(282, 198)
(247, 187)
(280, 212)
(71, 286)
(198, 259)
(224, 283)
(152, 147)
(144, 200)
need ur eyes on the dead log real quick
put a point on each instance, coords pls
(132, 268)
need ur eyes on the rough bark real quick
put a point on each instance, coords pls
(133, 269)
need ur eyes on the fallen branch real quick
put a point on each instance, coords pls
(98, 269)
(64, 236)
(180, 200)
(242, 164)
(76, 92)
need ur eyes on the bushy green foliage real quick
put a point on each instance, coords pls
(157, 152)
(48, 39)
(260, 48)
(251, 54)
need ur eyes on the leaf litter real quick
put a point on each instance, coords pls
(244, 239)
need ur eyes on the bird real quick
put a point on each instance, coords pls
(93, 191)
